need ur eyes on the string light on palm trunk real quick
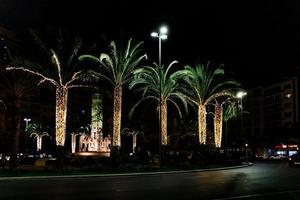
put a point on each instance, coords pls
(218, 124)
(202, 123)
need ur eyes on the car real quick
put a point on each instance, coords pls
(294, 160)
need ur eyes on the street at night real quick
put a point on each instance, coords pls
(263, 180)
(130, 93)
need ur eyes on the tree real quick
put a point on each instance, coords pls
(58, 68)
(37, 131)
(230, 112)
(160, 85)
(14, 86)
(220, 116)
(202, 84)
(117, 67)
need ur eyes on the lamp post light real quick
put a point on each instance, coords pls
(161, 35)
(27, 120)
(240, 95)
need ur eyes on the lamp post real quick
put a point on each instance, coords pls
(161, 35)
(27, 120)
(240, 95)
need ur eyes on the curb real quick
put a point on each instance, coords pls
(123, 174)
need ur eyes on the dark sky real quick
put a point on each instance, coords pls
(258, 40)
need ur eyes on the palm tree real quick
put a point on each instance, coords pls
(219, 116)
(230, 112)
(204, 83)
(14, 86)
(160, 85)
(61, 72)
(117, 67)
(36, 131)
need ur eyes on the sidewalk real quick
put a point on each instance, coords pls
(124, 174)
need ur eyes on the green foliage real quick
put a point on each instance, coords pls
(155, 82)
(55, 61)
(230, 110)
(35, 130)
(204, 82)
(117, 66)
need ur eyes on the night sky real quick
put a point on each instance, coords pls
(258, 41)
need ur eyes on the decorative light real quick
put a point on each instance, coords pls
(61, 94)
(163, 121)
(202, 123)
(116, 139)
(134, 136)
(97, 117)
(39, 138)
(218, 124)
(61, 114)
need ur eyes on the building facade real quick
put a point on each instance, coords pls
(273, 114)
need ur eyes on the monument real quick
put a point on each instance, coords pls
(95, 141)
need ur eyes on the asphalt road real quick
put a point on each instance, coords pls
(264, 180)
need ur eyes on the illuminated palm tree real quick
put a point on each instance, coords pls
(117, 67)
(60, 72)
(160, 85)
(204, 83)
(36, 131)
(13, 87)
(220, 116)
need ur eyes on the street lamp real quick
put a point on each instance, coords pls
(240, 95)
(161, 35)
(27, 120)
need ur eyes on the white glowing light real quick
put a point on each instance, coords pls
(154, 34)
(163, 30)
(240, 94)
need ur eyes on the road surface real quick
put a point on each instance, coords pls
(264, 180)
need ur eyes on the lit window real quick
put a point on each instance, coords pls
(289, 95)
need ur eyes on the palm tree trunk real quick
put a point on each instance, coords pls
(163, 122)
(73, 143)
(39, 143)
(117, 111)
(218, 124)
(61, 114)
(202, 123)
(16, 129)
(226, 137)
(134, 141)
(61, 121)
